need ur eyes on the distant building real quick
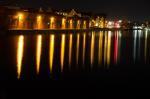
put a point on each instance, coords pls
(24, 18)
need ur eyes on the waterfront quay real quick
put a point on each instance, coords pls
(16, 18)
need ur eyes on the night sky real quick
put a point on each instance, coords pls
(127, 9)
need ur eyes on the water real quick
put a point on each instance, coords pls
(57, 56)
(94, 59)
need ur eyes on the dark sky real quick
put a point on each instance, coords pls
(130, 9)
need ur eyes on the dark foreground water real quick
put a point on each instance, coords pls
(75, 61)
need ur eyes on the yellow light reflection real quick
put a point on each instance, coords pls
(92, 47)
(62, 51)
(100, 47)
(105, 48)
(70, 49)
(77, 49)
(109, 48)
(84, 42)
(38, 52)
(20, 55)
(51, 52)
(145, 48)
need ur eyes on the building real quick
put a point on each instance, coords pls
(24, 18)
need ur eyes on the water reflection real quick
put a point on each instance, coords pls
(70, 49)
(20, 48)
(38, 52)
(62, 51)
(139, 43)
(77, 49)
(134, 49)
(100, 47)
(84, 43)
(137, 48)
(117, 46)
(51, 52)
(145, 47)
(92, 47)
(107, 48)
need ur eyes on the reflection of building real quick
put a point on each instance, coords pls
(17, 18)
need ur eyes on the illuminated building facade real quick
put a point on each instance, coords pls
(17, 18)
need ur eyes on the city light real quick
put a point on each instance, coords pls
(39, 22)
(62, 51)
(100, 49)
(84, 43)
(21, 20)
(20, 15)
(77, 48)
(70, 49)
(38, 52)
(20, 48)
(52, 23)
(92, 47)
(51, 52)
(63, 23)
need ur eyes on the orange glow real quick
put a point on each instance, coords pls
(63, 23)
(78, 24)
(71, 24)
(77, 50)
(84, 24)
(20, 20)
(92, 47)
(51, 52)
(100, 47)
(38, 52)
(20, 55)
(52, 23)
(84, 41)
(39, 22)
(70, 49)
(62, 51)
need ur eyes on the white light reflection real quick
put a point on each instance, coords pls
(134, 49)
(139, 45)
